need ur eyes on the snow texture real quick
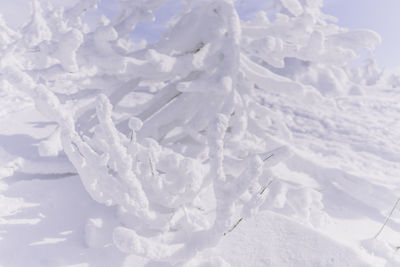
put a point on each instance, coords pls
(226, 142)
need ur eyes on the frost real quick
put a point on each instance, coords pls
(189, 163)
(94, 233)
(293, 6)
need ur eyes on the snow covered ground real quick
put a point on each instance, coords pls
(331, 198)
(325, 204)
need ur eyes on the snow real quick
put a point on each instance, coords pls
(291, 165)
(44, 216)
(274, 240)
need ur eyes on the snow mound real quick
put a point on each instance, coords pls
(271, 239)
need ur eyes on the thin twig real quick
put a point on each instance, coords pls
(267, 158)
(265, 187)
(234, 226)
(387, 218)
(131, 135)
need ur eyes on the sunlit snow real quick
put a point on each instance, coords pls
(197, 133)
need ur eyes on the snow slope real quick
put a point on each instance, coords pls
(324, 206)
(326, 202)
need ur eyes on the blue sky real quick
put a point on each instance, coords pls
(382, 16)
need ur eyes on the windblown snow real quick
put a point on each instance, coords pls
(227, 138)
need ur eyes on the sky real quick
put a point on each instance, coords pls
(382, 16)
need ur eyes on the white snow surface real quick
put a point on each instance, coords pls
(324, 206)
(330, 197)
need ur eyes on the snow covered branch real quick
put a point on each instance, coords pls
(173, 133)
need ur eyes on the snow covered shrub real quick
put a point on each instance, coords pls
(173, 133)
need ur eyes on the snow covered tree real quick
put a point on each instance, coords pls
(174, 133)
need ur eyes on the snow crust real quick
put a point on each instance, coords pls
(227, 142)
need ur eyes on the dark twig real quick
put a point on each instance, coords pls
(387, 218)
(267, 158)
(234, 226)
(265, 187)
